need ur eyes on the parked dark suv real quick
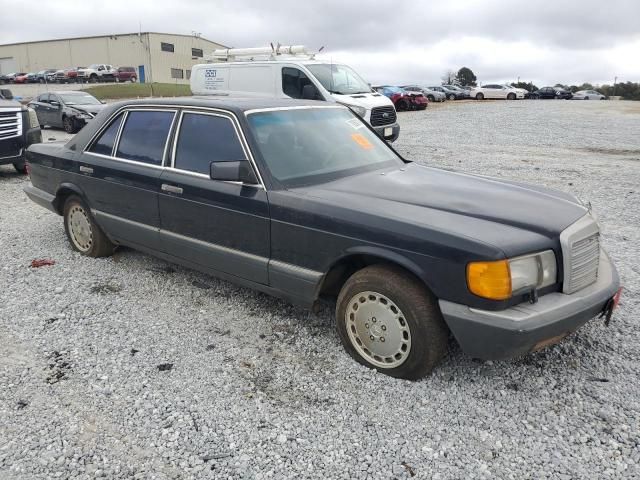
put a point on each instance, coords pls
(304, 200)
(126, 74)
(18, 129)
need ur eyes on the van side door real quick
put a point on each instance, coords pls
(220, 225)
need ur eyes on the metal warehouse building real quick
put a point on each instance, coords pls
(158, 57)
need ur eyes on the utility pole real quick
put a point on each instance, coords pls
(615, 80)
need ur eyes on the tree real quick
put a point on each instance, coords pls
(449, 77)
(466, 77)
(527, 86)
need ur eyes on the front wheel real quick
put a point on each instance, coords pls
(511, 96)
(83, 233)
(389, 321)
(69, 125)
(431, 98)
(452, 97)
(21, 167)
(480, 96)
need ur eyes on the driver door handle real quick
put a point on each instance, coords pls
(171, 188)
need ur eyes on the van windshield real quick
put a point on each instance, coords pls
(304, 146)
(339, 79)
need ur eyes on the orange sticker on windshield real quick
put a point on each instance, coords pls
(361, 140)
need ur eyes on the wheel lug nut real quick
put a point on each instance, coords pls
(384, 327)
(382, 339)
(366, 325)
(372, 338)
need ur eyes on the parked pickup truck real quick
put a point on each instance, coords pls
(301, 199)
(98, 72)
(19, 128)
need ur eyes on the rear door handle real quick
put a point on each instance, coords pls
(171, 189)
(84, 169)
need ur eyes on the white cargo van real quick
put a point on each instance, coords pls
(290, 76)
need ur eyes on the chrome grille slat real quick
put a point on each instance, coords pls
(585, 256)
(10, 123)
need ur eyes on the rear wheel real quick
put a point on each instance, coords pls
(389, 321)
(452, 97)
(133, 79)
(480, 96)
(83, 233)
(431, 98)
(586, 98)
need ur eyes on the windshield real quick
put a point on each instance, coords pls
(394, 89)
(315, 145)
(79, 99)
(339, 79)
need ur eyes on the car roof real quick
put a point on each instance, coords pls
(231, 103)
(72, 92)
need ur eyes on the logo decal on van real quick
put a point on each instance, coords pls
(213, 81)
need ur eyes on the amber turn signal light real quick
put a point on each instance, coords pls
(490, 280)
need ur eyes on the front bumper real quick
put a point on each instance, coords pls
(383, 132)
(490, 335)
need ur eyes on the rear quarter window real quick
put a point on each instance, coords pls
(104, 144)
(144, 136)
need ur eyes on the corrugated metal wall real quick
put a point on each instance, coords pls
(118, 50)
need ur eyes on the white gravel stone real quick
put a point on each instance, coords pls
(260, 389)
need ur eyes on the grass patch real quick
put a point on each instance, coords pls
(135, 90)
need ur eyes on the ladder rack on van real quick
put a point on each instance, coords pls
(278, 52)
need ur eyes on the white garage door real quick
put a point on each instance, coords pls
(7, 65)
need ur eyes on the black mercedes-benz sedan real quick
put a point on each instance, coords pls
(303, 200)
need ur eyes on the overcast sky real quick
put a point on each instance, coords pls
(393, 41)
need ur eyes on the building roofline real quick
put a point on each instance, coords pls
(105, 36)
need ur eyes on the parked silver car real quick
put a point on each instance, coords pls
(588, 95)
(432, 95)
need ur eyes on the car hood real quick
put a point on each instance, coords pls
(367, 100)
(93, 109)
(538, 209)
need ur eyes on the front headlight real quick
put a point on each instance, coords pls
(502, 279)
(360, 111)
(33, 118)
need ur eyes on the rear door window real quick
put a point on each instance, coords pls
(104, 144)
(144, 136)
(204, 139)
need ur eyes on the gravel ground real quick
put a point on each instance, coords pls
(129, 367)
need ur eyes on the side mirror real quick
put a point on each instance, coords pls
(239, 171)
(54, 103)
(309, 92)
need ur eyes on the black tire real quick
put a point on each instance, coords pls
(21, 167)
(452, 97)
(480, 96)
(431, 98)
(69, 125)
(133, 79)
(402, 106)
(93, 78)
(586, 98)
(418, 312)
(99, 244)
(511, 96)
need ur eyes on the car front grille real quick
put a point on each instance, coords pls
(585, 257)
(581, 252)
(383, 116)
(10, 123)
